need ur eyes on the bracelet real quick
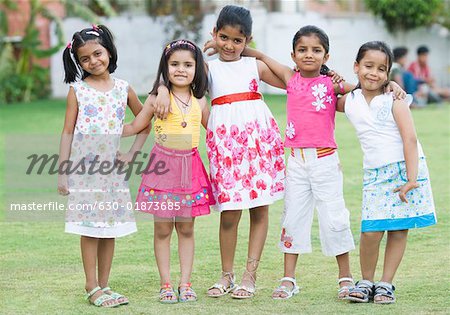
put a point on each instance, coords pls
(341, 86)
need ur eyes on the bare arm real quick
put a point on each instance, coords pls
(405, 124)
(136, 107)
(142, 120)
(284, 73)
(205, 111)
(66, 139)
(340, 106)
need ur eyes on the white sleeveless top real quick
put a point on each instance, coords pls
(376, 129)
(232, 77)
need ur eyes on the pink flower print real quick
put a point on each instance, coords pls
(227, 162)
(249, 127)
(219, 176)
(220, 131)
(261, 184)
(264, 166)
(237, 197)
(244, 136)
(252, 171)
(267, 135)
(223, 197)
(90, 111)
(228, 143)
(228, 181)
(279, 164)
(276, 188)
(253, 86)
(286, 239)
(273, 124)
(238, 155)
(252, 153)
(234, 131)
(253, 194)
(246, 182)
(209, 134)
(237, 174)
(290, 130)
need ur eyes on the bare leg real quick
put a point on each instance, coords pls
(395, 248)
(259, 222)
(229, 222)
(105, 253)
(290, 262)
(89, 252)
(343, 262)
(161, 242)
(186, 243)
(368, 251)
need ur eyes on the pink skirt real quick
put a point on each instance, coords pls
(176, 185)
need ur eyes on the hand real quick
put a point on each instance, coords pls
(124, 158)
(210, 45)
(63, 189)
(403, 190)
(399, 93)
(335, 77)
(162, 104)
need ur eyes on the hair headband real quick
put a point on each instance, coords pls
(178, 43)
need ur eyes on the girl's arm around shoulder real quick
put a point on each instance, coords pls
(340, 106)
(269, 68)
(142, 120)
(204, 107)
(403, 118)
(134, 102)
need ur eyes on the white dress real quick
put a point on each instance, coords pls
(99, 203)
(244, 146)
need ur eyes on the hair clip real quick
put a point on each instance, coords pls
(93, 33)
(94, 27)
(177, 43)
(69, 45)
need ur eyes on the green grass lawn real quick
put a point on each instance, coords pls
(41, 270)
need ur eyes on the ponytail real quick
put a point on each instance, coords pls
(71, 69)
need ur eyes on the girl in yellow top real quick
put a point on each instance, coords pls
(178, 189)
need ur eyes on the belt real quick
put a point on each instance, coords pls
(237, 97)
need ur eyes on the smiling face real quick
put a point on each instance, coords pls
(309, 55)
(93, 58)
(372, 70)
(230, 42)
(181, 68)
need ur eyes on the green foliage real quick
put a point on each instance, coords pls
(406, 14)
(182, 18)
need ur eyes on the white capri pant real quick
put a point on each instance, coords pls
(313, 182)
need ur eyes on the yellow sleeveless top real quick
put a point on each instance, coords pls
(170, 132)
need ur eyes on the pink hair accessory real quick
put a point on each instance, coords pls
(94, 27)
(69, 45)
(178, 43)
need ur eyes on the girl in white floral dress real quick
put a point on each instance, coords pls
(99, 205)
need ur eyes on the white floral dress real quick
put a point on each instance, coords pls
(244, 146)
(99, 202)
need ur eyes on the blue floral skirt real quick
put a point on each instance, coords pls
(382, 209)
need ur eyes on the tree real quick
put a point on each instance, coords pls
(403, 15)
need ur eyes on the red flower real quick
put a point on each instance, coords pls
(260, 184)
(227, 162)
(223, 197)
(253, 194)
(221, 130)
(234, 131)
(253, 86)
(287, 244)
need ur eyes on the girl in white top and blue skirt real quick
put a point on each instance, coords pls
(397, 193)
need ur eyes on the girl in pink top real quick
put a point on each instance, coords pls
(313, 176)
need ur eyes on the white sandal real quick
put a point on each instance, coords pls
(345, 290)
(222, 288)
(284, 289)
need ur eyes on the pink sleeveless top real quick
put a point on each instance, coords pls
(311, 109)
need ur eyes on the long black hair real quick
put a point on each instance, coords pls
(100, 34)
(199, 84)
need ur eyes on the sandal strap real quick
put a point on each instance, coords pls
(92, 292)
(384, 288)
(294, 282)
(102, 299)
(346, 279)
(244, 288)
